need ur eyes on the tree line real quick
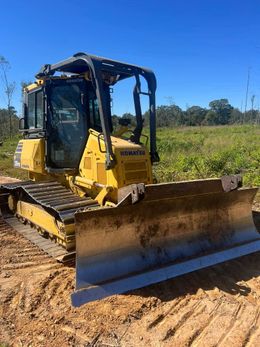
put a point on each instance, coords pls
(219, 112)
(9, 123)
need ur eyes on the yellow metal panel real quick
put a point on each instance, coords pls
(133, 163)
(43, 220)
(29, 155)
(139, 176)
(134, 166)
(87, 163)
(101, 173)
(35, 85)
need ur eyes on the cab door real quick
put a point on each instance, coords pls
(67, 122)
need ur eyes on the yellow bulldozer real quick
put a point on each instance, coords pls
(91, 188)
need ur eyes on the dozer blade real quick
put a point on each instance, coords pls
(175, 229)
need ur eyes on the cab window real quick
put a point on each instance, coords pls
(35, 110)
(31, 111)
(39, 109)
(94, 116)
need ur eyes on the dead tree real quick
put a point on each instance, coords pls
(9, 88)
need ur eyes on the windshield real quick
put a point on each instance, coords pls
(68, 126)
(72, 111)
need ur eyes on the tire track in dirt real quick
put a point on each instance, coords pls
(181, 320)
(202, 319)
(241, 331)
(251, 338)
(215, 331)
(227, 302)
(171, 311)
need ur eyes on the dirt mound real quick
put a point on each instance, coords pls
(219, 306)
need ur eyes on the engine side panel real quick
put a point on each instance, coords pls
(133, 163)
(29, 155)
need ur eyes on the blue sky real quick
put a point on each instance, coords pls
(200, 50)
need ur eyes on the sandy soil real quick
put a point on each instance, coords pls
(219, 306)
(5, 179)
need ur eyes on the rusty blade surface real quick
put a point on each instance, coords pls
(177, 228)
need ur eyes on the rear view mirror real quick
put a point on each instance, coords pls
(21, 124)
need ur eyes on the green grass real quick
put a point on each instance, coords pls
(6, 159)
(188, 153)
(201, 152)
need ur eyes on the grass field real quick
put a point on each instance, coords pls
(200, 152)
(6, 159)
(189, 153)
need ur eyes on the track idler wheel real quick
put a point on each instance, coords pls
(12, 203)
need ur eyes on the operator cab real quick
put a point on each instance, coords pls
(63, 111)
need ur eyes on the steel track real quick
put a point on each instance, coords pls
(56, 200)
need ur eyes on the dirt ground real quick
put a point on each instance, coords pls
(219, 306)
